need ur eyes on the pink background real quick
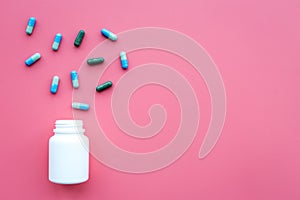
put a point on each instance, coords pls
(255, 45)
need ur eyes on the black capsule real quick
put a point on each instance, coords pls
(104, 86)
(95, 61)
(79, 38)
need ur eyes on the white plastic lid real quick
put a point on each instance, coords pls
(68, 122)
(69, 126)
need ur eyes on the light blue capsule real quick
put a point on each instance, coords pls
(54, 85)
(110, 35)
(74, 78)
(124, 61)
(30, 25)
(32, 59)
(56, 42)
(80, 106)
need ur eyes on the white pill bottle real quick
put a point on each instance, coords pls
(68, 153)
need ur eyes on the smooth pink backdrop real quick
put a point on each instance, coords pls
(255, 45)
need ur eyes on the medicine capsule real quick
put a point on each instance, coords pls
(110, 35)
(30, 25)
(124, 61)
(80, 106)
(95, 61)
(103, 86)
(54, 85)
(32, 59)
(57, 40)
(74, 78)
(79, 38)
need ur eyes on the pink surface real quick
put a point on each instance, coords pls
(255, 46)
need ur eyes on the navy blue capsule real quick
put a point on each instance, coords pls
(110, 35)
(80, 106)
(57, 41)
(54, 85)
(32, 59)
(124, 61)
(74, 78)
(30, 25)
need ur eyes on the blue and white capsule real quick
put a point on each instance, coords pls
(74, 78)
(124, 61)
(54, 85)
(30, 25)
(32, 59)
(57, 41)
(110, 35)
(80, 106)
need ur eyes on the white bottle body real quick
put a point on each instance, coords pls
(68, 155)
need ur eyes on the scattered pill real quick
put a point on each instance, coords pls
(110, 35)
(80, 106)
(103, 86)
(30, 25)
(54, 85)
(95, 61)
(124, 61)
(32, 59)
(79, 38)
(57, 40)
(74, 78)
